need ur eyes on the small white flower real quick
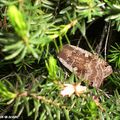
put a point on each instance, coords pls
(79, 89)
(68, 90)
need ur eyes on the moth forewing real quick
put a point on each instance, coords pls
(85, 64)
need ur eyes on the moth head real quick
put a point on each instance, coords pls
(107, 71)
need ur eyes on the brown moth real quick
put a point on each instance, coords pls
(85, 64)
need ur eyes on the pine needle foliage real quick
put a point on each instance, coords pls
(115, 55)
(31, 78)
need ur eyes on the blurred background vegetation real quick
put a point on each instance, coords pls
(31, 34)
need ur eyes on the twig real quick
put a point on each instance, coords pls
(99, 46)
(106, 41)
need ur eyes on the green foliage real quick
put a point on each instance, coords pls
(36, 31)
(115, 80)
(115, 55)
(32, 41)
(84, 9)
(52, 67)
(89, 9)
(114, 16)
(43, 101)
(16, 19)
(25, 44)
(5, 94)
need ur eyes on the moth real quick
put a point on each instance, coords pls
(85, 64)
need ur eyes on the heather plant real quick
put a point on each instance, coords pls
(32, 78)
